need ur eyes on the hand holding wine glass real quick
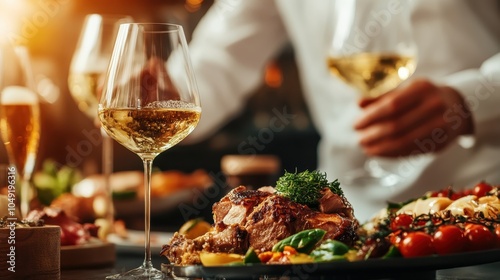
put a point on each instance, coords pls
(374, 56)
(144, 108)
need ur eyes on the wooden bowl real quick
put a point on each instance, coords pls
(30, 253)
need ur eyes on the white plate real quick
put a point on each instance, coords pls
(134, 243)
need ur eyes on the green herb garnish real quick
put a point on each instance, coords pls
(305, 187)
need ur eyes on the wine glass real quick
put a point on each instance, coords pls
(20, 126)
(86, 76)
(371, 48)
(150, 103)
(91, 58)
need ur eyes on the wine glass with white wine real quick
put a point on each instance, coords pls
(86, 77)
(371, 48)
(91, 58)
(149, 103)
(20, 127)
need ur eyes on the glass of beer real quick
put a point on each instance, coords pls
(150, 103)
(20, 130)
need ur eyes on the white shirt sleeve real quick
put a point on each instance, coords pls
(229, 49)
(481, 90)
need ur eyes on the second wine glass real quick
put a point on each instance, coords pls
(372, 49)
(149, 104)
(86, 77)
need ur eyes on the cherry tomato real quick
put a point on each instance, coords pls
(396, 237)
(497, 233)
(443, 193)
(417, 244)
(468, 192)
(401, 221)
(481, 189)
(449, 239)
(457, 195)
(479, 237)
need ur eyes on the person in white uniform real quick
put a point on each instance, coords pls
(440, 128)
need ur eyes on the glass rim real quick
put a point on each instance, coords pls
(169, 27)
(110, 18)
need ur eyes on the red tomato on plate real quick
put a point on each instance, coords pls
(479, 237)
(416, 244)
(401, 221)
(497, 233)
(481, 189)
(449, 239)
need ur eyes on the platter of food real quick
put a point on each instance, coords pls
(305, 226)
(419, 268)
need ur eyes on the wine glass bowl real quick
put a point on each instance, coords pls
(90, 59)
(149, 103)
(372, 49)
(373, 74)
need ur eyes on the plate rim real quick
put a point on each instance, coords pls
(377, 267)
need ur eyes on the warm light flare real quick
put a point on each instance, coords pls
(11, 12)
(273, 77)
(193, 5)
(23, 20)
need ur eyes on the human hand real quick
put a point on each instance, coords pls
(155, 81)
(419, 118)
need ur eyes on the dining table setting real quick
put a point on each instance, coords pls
(483, 263)
(251, 218)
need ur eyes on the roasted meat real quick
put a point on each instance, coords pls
(260, 218)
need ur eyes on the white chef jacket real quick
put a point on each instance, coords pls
(458, 45)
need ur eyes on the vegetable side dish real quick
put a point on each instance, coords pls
(307, 219)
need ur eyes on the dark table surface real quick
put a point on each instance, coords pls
(127, 261)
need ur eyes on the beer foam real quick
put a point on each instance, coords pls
(12, 95)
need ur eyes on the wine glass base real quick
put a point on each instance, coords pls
(139, 274)
(363, 178)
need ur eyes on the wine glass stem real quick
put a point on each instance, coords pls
(25, 201)
(107, 166)
(27, 171)
(148, 165)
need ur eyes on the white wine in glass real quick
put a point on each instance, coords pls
(149, 104)
(373, 74)
(91, 58)
(20, 129)
(86, 78)
(372, 49)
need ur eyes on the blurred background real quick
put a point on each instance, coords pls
(50, 29)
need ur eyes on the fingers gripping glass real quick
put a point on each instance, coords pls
(371, 48)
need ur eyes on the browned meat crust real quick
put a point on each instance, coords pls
(252, 218)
